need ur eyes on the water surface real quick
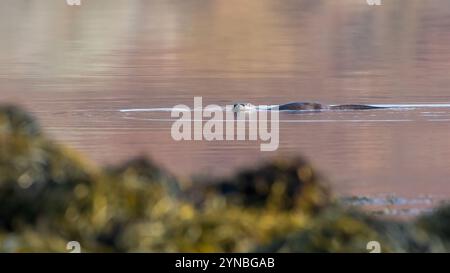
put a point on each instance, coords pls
(77, 67)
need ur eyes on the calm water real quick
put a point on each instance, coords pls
(76, 67)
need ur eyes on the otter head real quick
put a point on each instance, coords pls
(238, 107)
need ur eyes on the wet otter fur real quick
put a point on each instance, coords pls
(305, 106)
(317, 106)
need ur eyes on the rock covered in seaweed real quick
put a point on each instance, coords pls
(282, 183)
(39, 179)
(14, 120)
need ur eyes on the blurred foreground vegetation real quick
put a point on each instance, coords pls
(50, 195)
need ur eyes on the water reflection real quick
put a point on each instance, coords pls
(76, 67)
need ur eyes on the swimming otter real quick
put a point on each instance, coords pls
(303, 106)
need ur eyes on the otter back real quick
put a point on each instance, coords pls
(300, 106)
(353, 107)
